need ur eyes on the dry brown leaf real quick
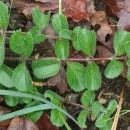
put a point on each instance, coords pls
(99, 18)
(18, 123)
(59, 80)
(44, 123)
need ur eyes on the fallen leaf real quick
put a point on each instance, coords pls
(44, 123)
(78, 10)
(18, 123)
(3, 111)
(99, 18)
(59, 80)
(124, 17)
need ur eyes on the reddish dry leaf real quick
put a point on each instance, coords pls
(3, 111)
(44, 123)
(124, 17)
(79, 9)
(99, 18)
(20, 124)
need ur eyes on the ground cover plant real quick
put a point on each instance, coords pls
(83, 74)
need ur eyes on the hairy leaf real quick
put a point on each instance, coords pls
(75, 42)
(88, 98)
(22, 44)
(120, 39)
(97, 109)
(11, 101)
(37, 36)
(59, 22)
(2, 50)
(114, 68)
(128, 71)
(93, 77)
(75, 76)
(111, 107)
(57, 117)
(102, 120)
(108, 126)
(55, 98)
(66, 34)
(82, 118)
(45, 68)
(22, 78)
(41, 20)
(87, 41)
(4, 16)
(127, 49)
(6, 76)
(62, 49)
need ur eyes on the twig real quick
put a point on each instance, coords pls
(114, 126)
(70, 59)
(74, 104)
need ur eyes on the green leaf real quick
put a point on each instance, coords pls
(97, 109)
(75, 76)
(57, 117)
(62, 49)
(4, 16)
(93, 77)
(59, 22)
(11, 101)
(127, 49)
(41, 20)
(37, 36)
(120, 39)
(88, 98)
(102, 120)
(112, 106)
(66, 34)
(54, 97)
(22, 44)
(82, 118)
(114, 68)
(6, 76)
(108, 126)
(45, 68)
(2, 50)
(87, 41)
(26, 100)
(128, 71)
(34, 116)
(22, 78)
(75, 42)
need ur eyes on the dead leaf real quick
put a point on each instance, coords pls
(18, 123)
(3, 111)
(59, 80)
(44, 123)
(99, 18)
(48, 1)
(78, 10)
(124, 17)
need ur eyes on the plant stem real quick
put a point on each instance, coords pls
(60, 6)
(70, 59)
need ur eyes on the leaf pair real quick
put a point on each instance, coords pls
(80, 77)
(103, 119)
(22, 44)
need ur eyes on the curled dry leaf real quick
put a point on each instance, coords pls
(99, 18)
(44, 123)
(18, 123)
